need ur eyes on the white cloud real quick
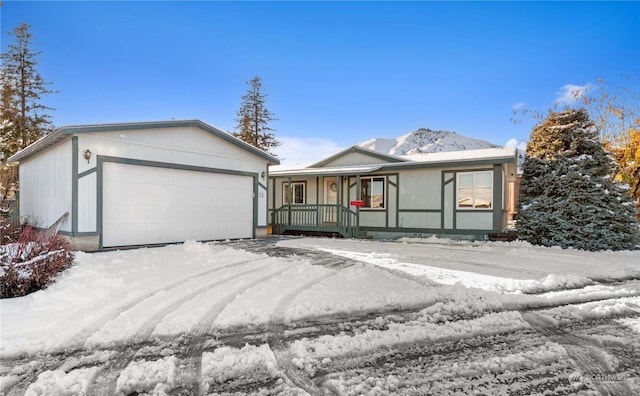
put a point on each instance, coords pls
(297, 152)
(570, 93)
(519, 144)
(518, 106)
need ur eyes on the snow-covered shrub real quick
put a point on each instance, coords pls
(568, 195)
(32, 261)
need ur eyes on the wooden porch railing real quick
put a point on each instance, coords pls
(316, 218)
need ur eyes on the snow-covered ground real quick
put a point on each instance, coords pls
(412, 316)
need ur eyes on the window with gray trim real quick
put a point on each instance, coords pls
(297, 193)
(475, 190)
(372, 192)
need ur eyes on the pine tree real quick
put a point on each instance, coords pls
(24, 118)
(568, 195)
(254, 117)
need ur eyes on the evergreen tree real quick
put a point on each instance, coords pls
(254, 117)
(568, 195)
(24, 118)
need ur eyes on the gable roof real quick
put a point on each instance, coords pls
(359, 150)
(67, 131)
(479, 157)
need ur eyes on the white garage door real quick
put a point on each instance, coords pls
(147, 205)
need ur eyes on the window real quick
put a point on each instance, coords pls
(372, 192)
(475, 190)
(297, 193)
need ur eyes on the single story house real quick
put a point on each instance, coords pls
(363, 193)
(145, 183)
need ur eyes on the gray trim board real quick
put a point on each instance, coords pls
(426, 230)
(420, 210)
(497, 198)
(87, 172)
(74, 185)
(169, 165)
(358, 150)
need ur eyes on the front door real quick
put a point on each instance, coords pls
(330, 198)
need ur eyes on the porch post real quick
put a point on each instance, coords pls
(358, 197)
(339, 201)
(289, 197)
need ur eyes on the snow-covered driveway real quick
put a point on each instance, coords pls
(316, 316)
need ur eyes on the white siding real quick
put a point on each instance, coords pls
(87, 202)
(262, 205)
(187, 146)
(419, 220)
(45, 186)
(420, 189)
(372, 218)
(474, 220)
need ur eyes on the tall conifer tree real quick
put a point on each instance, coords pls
(568, 196)
(254, 118)
(24, 118)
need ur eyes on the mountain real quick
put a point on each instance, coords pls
(424, 141)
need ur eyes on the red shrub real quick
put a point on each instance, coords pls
(32, 262)
(9, 232)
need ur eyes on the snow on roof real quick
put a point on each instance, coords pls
(463, 155)
(415, 159)
(332, 170)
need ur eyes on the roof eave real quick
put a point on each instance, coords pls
(60, 133)
(357, 149)
(39, 145)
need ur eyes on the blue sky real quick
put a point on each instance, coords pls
(337, 73)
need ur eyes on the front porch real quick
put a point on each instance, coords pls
(317, 218)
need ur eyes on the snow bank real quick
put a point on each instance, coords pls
(146, 376)
(251, 364)
(59, 383)
(593, 310)
(310, 353)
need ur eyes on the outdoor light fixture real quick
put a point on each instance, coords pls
(87, 155)
(263, 174)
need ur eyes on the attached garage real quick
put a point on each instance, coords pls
(145, 184)
(139, 205)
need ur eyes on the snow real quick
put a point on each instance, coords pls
(310, 353)
(250, 363)
(148, 376)
(425, 141)
(129, 296)
(450, 291)
(58, 382)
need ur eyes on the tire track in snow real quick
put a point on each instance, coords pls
(582, 350)
(146, 329)
(93, 328)
(276, 341)
(195, 349)
(105, 381)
